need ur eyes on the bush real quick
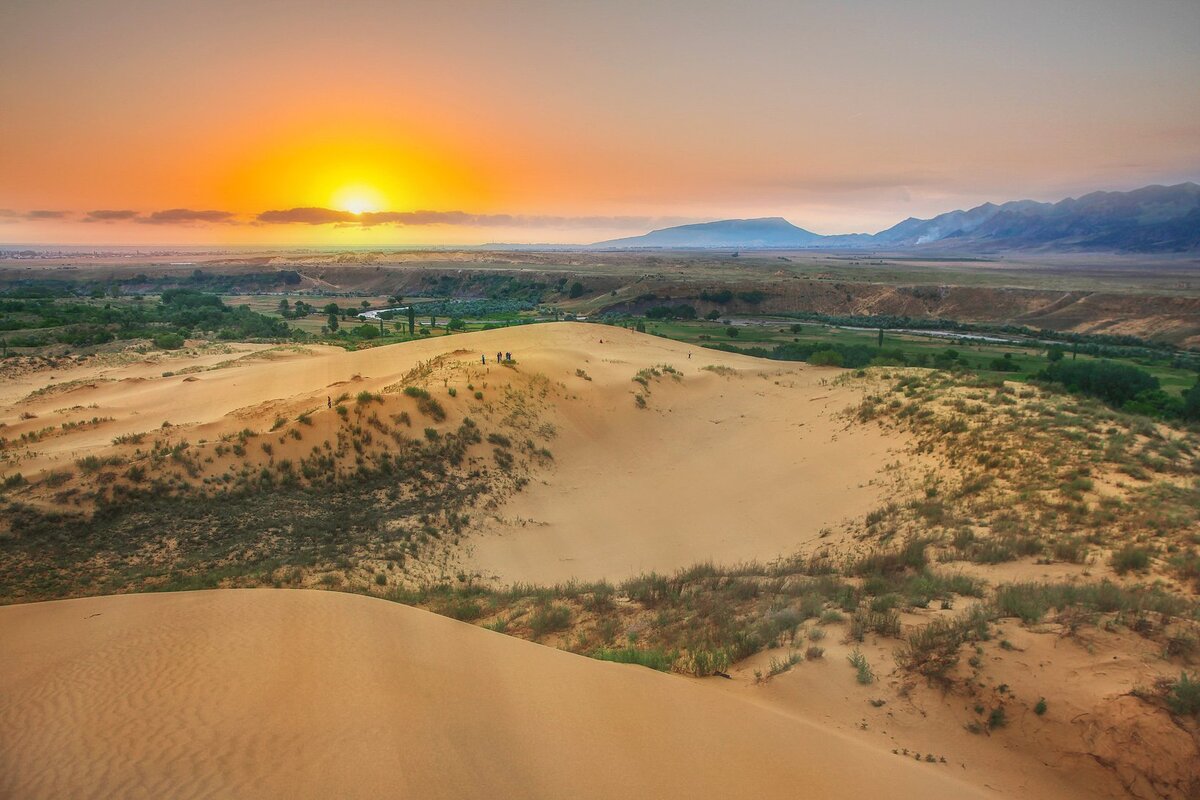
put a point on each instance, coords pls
(660, 660)
(864, 674)
(826, 358)
(549, 619)
(1130, 558)
(1114, 383)
(168, 341)
(1183, 696)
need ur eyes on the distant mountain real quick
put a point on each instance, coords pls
(762, 232)
(1152, 219)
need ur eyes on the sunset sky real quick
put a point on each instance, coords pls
(144, 121)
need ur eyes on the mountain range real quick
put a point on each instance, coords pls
(1153, 219)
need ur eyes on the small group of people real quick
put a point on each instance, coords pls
(500, 357)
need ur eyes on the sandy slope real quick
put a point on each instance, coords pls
(746, 464)
(727, 467)
(266, 693)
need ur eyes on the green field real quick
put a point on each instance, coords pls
(1028, 360)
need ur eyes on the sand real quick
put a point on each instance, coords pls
(287, 693)
(748, 464)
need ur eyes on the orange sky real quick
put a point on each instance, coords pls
(572, 122)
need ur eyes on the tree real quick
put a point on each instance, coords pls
(731, 332)
(1191, 403)
(333, 323)
(332, 308)
(714, 314)
(1055, 353)
(412, 321)
(366, 304)
(880, 344)
(283, 306)
(826, 358)
(456, 324)
(576, 290)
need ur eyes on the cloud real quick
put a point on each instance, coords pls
(308, 216)
(327, 216)
(9, 215)
(177, 216)
(107, 215)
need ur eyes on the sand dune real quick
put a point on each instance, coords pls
(264, 693)
(750, 464)
(746, 463)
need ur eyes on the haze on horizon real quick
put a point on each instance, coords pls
(132, 121)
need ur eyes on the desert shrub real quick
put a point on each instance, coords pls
(862, 668)
(933, 649)
(1183, 696)
(1040, 707)
(657, 659)
(1030, 602)
(168, 341)
(649, 590)
(911, 556)
(466, 609)
(866, 620)
(813, 653)
(704, 662)
(549, 618)
(1130, 558)
(997, 718)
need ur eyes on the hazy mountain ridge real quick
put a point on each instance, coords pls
(1151, 219)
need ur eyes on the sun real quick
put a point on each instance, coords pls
(358, 199)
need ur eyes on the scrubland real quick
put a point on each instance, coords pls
(962, 582)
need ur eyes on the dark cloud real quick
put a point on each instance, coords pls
(44, 214)
(308, 216)
(108, 215)
(327, 216)
(175, 216)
